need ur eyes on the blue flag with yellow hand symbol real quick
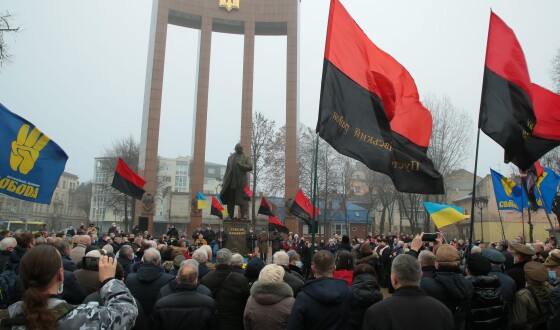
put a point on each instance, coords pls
(30, 162)
(508, 193)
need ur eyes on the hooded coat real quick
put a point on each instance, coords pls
(366, 292)
(488, 310)
(269, 306)
(323, 304)
(454, 291)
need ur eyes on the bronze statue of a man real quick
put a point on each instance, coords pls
(235, 180)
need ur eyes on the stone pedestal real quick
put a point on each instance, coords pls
(236, 230)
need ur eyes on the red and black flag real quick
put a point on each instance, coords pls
(216, 208)
(529, 179)
(265, 208)
(302, 208)
(247, 193)
(127, 181)
(370, 108)
(516, 114)
(275, 224)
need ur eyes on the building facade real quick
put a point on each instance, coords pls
(61, 213)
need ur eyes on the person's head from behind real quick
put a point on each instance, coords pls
(200, 255)
(42, 275)
(344, 260)
(223, 257)
(281, 258)
(151, 256)
(405, 271)
(427, 258)
(236, 260)
(25, 240)
(8, 244)
(188, 274)
(323, 264)
(448, 258)
(365, 269)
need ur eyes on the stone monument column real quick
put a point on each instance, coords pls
(147, 162)
(201, 116)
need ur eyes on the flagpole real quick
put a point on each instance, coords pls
(474, 191)
(107, 197)
(523, 217)
(547, 215)
(314, 197)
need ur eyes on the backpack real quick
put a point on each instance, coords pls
(10, 288)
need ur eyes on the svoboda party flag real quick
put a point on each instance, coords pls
(370, 109)
(30, 162)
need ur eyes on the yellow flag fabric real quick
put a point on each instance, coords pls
(444, 215)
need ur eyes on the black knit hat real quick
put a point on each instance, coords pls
(478, 265)
(254, 267)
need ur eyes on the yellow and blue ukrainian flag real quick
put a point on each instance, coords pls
(201, 201)
(30, 162)
(444, 215)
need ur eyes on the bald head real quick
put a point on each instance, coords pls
(188, 274)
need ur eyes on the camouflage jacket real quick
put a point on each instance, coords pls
(119, 310)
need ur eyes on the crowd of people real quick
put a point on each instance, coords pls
(88, 279)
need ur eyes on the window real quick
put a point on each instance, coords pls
(338, 228)
(63, 184)
(211, 171)
(180, 181)
(181, 170)
(208, 181)
(222, 170)
(307, 230)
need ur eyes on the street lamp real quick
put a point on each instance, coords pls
(481, 203)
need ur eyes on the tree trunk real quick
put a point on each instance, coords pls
(382, 222)
(253, 214)
(126, 214)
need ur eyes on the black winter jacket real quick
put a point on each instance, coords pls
(231, 291)
(408, 308)
(454, 291)
(323, 304)
(488, 310)
(146, 283)
(518, 274)
(186, 307)
(366, 292)
(554, 322)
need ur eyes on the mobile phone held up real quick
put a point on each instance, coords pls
(429, 237)
(90, 263)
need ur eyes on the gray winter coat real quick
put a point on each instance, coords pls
(269, 306)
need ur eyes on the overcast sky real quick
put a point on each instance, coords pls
(78, 69)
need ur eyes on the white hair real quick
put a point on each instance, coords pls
(7, 242)
(200, 255)
(236, 259)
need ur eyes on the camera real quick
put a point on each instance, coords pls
(90, 263)
(429, 237)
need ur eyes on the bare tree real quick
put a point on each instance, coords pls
(273, 172)
(555, 73)
(5, 27)
(451, 134)
(344, 168)
(81, 197)
(262, 138)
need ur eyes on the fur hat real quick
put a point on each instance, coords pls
(272, 273)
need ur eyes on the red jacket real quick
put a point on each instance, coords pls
(344, 274)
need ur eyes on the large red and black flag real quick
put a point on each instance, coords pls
(275, 224)
(302, 208)
(370, 109)
(127, 181)
(516, 114)
(265, 208)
